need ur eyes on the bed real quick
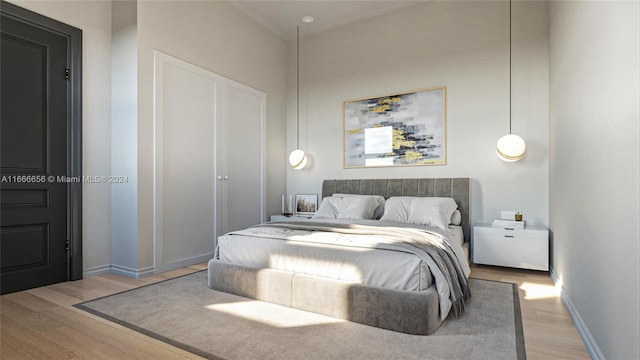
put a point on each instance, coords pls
(343, 268)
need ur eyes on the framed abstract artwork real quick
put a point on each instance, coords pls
(402, 129)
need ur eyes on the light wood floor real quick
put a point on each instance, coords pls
(43, 324)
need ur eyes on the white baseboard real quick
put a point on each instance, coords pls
(176, 264)
(131, 272)
(589, 342)
(96, 270)
(150, 270)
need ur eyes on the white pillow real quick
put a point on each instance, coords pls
(456, 218)
(377, 213)
(397, 209)
(429, 211)
(346, 208)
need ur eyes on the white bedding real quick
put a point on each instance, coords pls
(333, 256)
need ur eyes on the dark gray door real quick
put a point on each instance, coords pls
(33, 153)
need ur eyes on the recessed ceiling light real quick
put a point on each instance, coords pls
(308, 19)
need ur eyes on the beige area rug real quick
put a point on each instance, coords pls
(186, 313)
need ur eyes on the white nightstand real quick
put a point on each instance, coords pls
(290, 218)
(526, 248)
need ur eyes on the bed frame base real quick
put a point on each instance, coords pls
(411, 312)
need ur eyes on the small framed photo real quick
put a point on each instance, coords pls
(306, 204)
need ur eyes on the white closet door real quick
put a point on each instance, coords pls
(244, 161)
(185, 141)
(209, 175)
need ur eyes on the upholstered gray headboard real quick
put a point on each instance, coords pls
(456, 188)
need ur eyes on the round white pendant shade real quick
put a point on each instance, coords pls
(297, 159)
(510, 148)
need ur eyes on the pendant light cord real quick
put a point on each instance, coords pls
(298, 88)
(509, 66)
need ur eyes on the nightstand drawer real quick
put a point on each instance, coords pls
(520, 248)
(534, 233)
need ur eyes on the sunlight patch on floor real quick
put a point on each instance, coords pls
(272, 315)
(537, 291)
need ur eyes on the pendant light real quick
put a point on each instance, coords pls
(510, 147)
(297, 158)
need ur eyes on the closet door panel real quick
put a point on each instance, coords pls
(184, 169)
(244, 149)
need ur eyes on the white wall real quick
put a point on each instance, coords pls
(215, 36)
(461, 45)
(594, 164)
(94, 19)
(124, 140)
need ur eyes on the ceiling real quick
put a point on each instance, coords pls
(282, 16)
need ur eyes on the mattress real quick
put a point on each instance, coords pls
(327, 257)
